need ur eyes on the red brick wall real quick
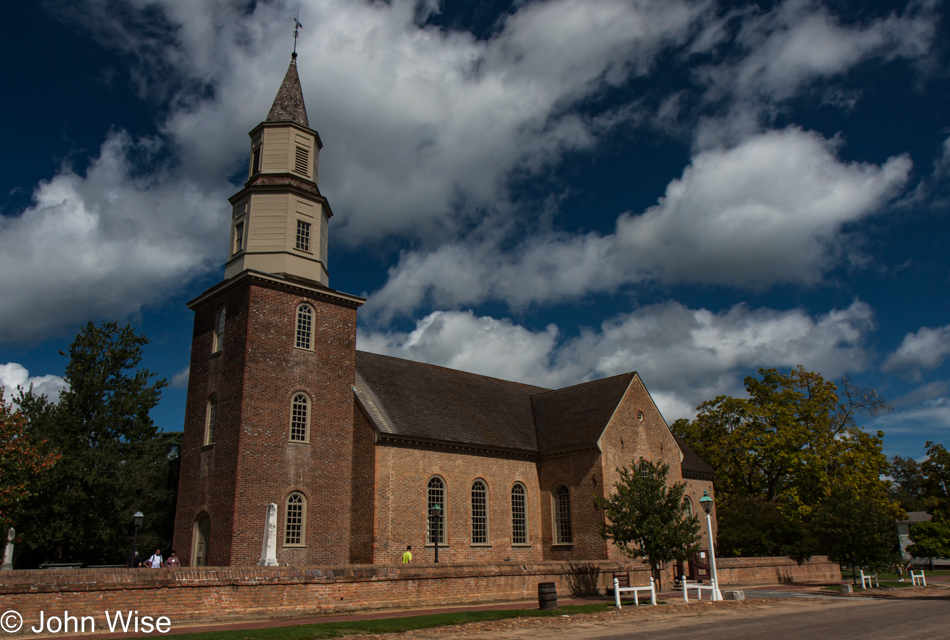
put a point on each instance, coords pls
(247, 593)
(776, 570)
(260, 371)
(402, 476)
(208, 474)
(577, 472)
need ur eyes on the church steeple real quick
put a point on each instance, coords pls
(288, 105)
(279, 220)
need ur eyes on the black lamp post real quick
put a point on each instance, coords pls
(435, 512)
(706, 503)
(137, 518)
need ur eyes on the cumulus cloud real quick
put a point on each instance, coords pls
(684, 355)
(769, 210)
(14, 376)
(923, 349)
(104, 244)
(798, 44)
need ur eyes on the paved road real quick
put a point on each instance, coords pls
(793, 618)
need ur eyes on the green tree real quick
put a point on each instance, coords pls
(646, 518)
(858, 529)
(936, 482)
(21, 461)
(931, 540)
(114, 460)
(907, 484)
(788, 443)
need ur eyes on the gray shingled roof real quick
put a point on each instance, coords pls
(288, 105)
(425, 402)
(692, 464)
(577, 416)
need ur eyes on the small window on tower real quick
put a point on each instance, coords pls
(239, 237)
(303, 235)
(256, 160)
(302, 161)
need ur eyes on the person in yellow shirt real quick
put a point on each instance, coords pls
(407, 556)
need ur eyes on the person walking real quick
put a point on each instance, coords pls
(173, 560)
(156, 561)
(407, 556)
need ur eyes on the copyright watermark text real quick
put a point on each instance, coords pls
(114, 622)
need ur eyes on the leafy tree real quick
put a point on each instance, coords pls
(648, 519)
(907, 486)
(114, 460)
(789, 443)
(936, 482)
(21, 461)
(931, 540)
(750, 526)
(858, 529)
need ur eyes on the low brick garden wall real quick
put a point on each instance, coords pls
(244, 593)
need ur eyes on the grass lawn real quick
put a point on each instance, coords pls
(389, 625)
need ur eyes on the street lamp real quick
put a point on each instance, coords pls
(706, 503)
(435, 512)
(137, 518)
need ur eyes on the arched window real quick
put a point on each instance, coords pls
(562, 516)
(689, 505)
(435, 495)
(295, 519)
(210, 419)
(646, 471)
(304, 327)
(219, 331)
(201, 535)
(479, 512)
(519, 514)
(300, 418)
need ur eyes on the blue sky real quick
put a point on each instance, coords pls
(542, 191)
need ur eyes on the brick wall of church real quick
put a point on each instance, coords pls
(637, 431)
(402, 476)
(363, 524)
(578, 472)
(207, 481)
(265, 370)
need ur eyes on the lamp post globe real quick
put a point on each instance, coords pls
(706, 503)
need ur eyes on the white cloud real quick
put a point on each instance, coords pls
(770, 210)
(685, 356)
(104, 244)
(14, 376)
(924, 349)
(786, 52)
(180, 379)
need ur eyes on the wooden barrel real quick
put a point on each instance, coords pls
(547, 595)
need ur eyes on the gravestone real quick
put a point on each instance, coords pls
(8, 551)
(269, 548)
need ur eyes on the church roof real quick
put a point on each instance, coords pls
(422, 402)
(693, 466)
(576, 416)
(288, 105)
(429, 403)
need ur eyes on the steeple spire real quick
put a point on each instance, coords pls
(288, 105)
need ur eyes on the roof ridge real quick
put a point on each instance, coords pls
(461, 371)
(631, 374)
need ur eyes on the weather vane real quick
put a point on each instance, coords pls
(297, 27)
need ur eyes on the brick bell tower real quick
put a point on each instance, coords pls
(269, 415)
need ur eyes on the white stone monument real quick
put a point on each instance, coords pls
(269, 548)
(8, 551)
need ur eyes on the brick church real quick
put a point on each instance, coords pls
(355, 448)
